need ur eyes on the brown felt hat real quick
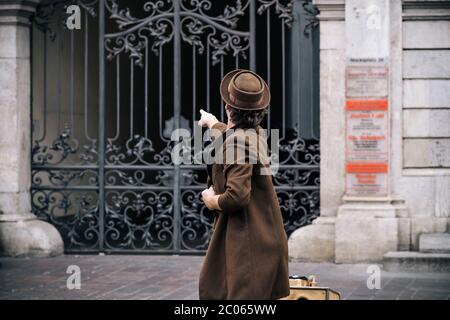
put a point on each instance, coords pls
(245, 90)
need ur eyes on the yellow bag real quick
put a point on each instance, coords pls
(305, 288)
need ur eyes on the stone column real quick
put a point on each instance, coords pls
(21, 233)
(367, 223)
(364, 227)
(316, 241)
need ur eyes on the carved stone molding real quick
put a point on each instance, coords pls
(17, 11)
(330, 9)
(426, 10)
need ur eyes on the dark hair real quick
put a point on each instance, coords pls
(246, 119)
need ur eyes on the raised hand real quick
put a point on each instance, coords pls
(207, 119)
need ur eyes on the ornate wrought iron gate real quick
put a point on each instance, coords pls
(106, 98)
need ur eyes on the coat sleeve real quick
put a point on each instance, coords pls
(209, 182)
(238, 176)
(238, 187)
(217, 130)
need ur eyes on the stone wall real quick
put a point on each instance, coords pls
(421, 171)
(352, 230)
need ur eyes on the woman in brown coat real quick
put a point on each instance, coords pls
(247, 256)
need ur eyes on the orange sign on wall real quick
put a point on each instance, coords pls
(366, 105)
(367, 129)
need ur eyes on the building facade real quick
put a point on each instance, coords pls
(416, 40)
(374, 74)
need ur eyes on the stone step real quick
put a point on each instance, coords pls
(412, 261)
(434, 242)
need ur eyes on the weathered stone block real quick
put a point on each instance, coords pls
(426, 34)
(332, 35)
(426, 64)
(365, 232)
(15, 202)
(426, 153)
(420, 225)
(434, 242)
(312, 243)
(15, 41)
(364, 240)
(29, 238)
(426, 93)
(425, 123)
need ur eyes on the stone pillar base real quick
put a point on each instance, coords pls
(313, 243)
(365, 231)
(23, 235)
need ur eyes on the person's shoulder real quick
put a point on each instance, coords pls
(248, 139)
(240, 138)
(219, 127)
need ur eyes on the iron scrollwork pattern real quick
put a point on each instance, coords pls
(64, 155)
(143, 188)
(298, 181)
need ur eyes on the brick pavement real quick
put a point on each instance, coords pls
(175, 277)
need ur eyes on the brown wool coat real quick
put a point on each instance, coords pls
(247, 256)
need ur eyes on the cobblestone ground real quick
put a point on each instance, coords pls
(175, 277)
